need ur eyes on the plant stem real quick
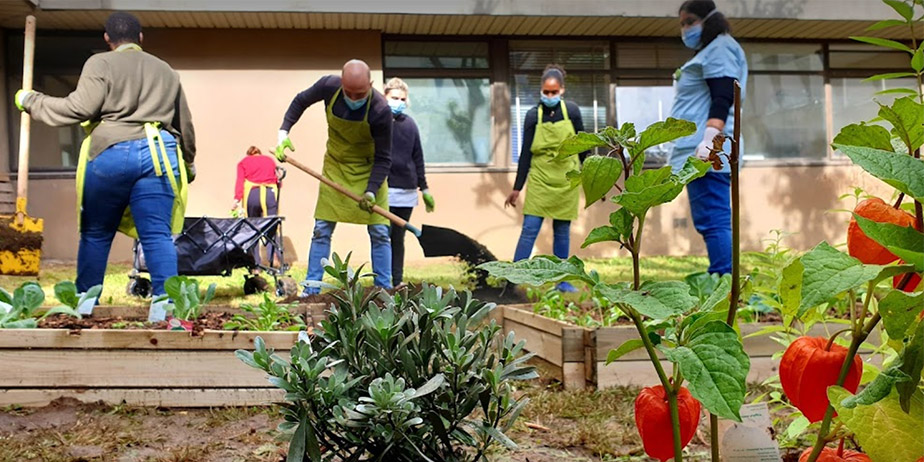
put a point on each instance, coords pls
(918, 213)
(636, 251)
(736, 252)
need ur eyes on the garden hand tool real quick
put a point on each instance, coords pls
(435, 241)
(20, 234)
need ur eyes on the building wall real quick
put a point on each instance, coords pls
(239, 85)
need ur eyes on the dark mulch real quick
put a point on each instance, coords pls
(210, 320)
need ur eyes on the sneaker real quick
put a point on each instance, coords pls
(566, 287)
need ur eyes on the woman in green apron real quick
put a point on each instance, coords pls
(549, 193)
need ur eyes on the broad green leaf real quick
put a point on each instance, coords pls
(28, 297)
(718, 300)
(885, 432)
(66, 293)
(715, 364)
(62, 310)
(538, 270)
(871, 136)
(655, 187)
(602, 234)
(899, 310)
(897, 91)
(904, 241)
(829, 272)
(625, 348)
(906, 116)
(886, 24)
(791, 288)
(904, 9)
(598, 176)
(888, 76)
(574, 178)
(662, 132)
(912, 357)
(917, 61)
(797, 426)
(901, 171)
(879, 388)
(657, 300)
(622, 221)
(884, 43)
(580, 142)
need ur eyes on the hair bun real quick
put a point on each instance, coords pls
(253, 150)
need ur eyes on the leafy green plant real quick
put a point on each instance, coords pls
(66, 293)
(694, 332)
(186, 300)
(266, 316)
(410, 377)
(19, 310)
(587, 311)
(884, 418)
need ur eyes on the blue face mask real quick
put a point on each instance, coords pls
(551, 101)
(397, 106)
(692, 36)
(354, 104)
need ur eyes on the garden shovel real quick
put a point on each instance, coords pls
(20, 234)
(435, 241)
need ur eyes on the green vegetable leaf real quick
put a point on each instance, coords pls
(657, 300)
(538, 270)
(66, 293)
(904, 241)
(888, 76)
(899, 310)
(598, 176)
(718, 300)
(791, 288)
(28, 297)
(655, 187)
(912, 358)
(622, 221)
(884, 43)
(716, 366)
(602, 234)
(906, 116)
(871, 136)
(829, 272)
(574, 178)
(886, 24)
(904, 9)
(625, 348)
(580, 142)
(870, 423)
(917, 61)
(901, 171)
(662, 132)
(897, 91)
(879, 388)
(797, 426)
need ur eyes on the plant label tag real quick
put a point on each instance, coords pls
(751, 440)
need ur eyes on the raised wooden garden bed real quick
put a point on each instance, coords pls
(578, 354)
(141, 367)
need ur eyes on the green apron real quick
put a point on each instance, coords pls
(159, 156)
(549, 193)
(348, 162)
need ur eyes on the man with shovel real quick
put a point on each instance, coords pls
(358, 157)
(131, 175)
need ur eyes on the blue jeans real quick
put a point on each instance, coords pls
(710, 205)
(320, 249)
(561, 241)
(121, 176)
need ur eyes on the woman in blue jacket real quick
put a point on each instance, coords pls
(704, 95)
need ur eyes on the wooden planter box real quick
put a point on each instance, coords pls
(138, 367)
(579, 354)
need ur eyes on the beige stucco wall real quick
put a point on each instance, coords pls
(239, 84)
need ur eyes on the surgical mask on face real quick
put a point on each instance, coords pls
(397, 106)
(354, 104)
(692, 35)
(551, 101)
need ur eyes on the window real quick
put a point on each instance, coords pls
(852, 99)
(449, 97)
(644, 103)
(784, 117)
(58, 62)
(586, 64)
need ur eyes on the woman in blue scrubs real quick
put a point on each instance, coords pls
(704, 95)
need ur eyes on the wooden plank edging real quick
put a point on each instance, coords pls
(159, 397)
(146, 339)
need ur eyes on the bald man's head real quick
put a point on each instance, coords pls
(356, 79)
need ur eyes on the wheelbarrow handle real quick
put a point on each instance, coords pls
(346, 192)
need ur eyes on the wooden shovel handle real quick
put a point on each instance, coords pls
(25, 122)
(346, 192)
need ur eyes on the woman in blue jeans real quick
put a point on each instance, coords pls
(549, 193)
(704, 95)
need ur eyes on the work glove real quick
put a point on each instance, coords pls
(428, 201)
(20, 98)
(367, 202)
(703, 149)
(283, 142)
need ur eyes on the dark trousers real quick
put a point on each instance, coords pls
(255, 209)
(710, 205)
(397, 245)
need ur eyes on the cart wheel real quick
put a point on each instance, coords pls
(255, 284)
(140, 287)
(286, 287)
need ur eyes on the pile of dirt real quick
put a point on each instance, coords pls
(211, 320)
(13, 240)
